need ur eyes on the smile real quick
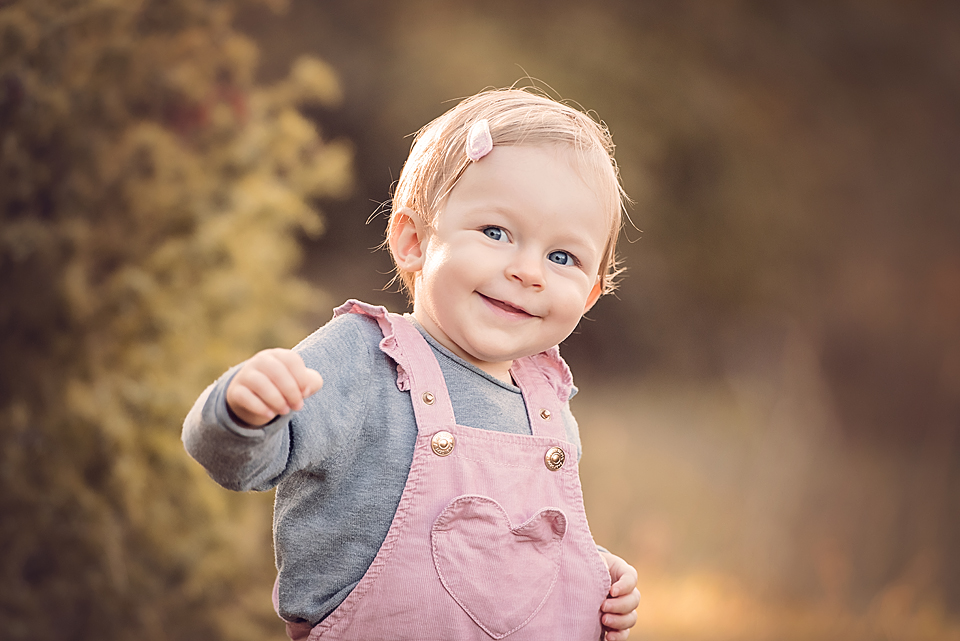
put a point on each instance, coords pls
(512, 310)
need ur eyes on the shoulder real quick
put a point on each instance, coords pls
(343, 337)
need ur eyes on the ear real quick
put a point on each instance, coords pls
(594, 295)
(407, 240)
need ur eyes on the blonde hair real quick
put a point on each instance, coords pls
(516, 117)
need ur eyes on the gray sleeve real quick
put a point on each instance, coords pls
(572, 428)
(242, 458)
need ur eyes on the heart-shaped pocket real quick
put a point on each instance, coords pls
(500, 575)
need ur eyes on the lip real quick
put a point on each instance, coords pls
(503, 307)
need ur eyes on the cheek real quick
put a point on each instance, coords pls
(442, 276)
(575, 288)
(459, 261)
(574, 305)
(435, 259)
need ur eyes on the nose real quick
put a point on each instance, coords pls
(527, 269)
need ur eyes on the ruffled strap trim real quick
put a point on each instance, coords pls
(548, 362)
(555, 370)
(388, 344)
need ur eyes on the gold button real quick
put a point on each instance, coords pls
(554, 459)
(545, 414)
(442, 443)
(429, 398)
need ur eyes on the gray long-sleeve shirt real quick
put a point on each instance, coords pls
(340, 463)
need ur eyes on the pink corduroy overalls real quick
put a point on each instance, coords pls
(490, 539)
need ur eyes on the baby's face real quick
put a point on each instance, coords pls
(513, 261)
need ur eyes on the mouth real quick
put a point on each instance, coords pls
(513, 310)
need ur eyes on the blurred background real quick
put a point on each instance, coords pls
(769, 404)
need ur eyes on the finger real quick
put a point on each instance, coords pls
(616, 635)
(276, 368)
(312, 383)
(625, 578)
(266, 389)
(307, 380)
(248, 407)
(622, 604)
(616, 622)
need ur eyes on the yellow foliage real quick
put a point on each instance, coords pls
(150, 195)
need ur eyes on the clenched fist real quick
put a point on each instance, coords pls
(273, 382)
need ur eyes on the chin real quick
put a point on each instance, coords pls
(493, 356)
(504, 357)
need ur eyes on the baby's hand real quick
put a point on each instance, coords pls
(620, 607)
(275, 381)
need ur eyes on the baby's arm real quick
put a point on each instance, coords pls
(620, 607)
(251, 443)
(272, 383)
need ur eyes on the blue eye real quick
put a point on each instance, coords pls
(495, 233)
(561, 258)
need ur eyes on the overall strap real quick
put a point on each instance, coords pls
(542, 382)
(417, 368)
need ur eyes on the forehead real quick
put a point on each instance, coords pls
(556, 174)
(533, 192)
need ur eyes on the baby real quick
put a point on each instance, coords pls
(430, 489)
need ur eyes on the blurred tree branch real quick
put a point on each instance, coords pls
(151, 196)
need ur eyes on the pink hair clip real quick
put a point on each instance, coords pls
(479, 140)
